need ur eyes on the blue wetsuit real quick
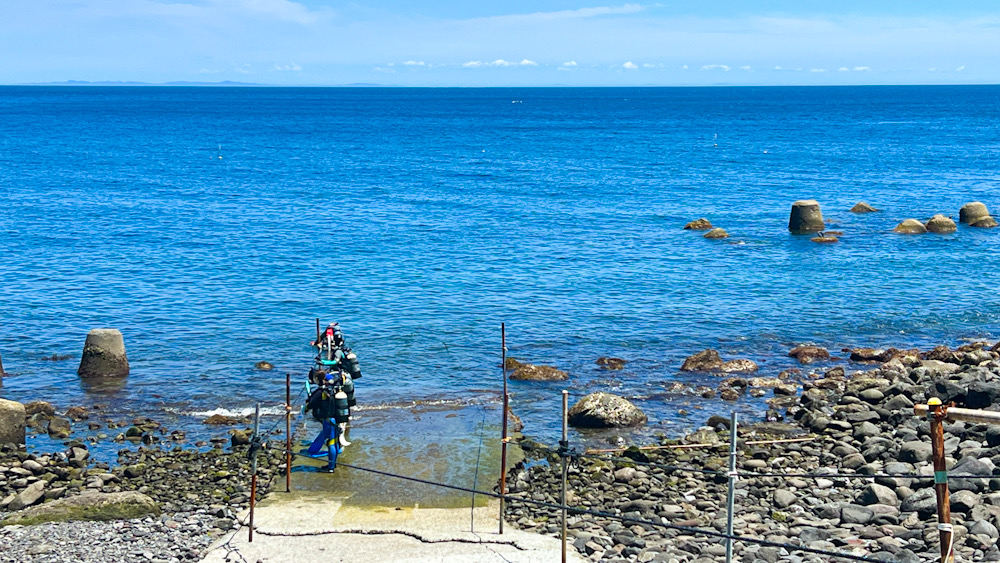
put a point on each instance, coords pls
(329, 436)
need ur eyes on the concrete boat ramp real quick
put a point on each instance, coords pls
(355, 515)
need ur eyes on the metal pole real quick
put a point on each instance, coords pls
(731, 496)
(317, 331)
(941, 479)
(503, 424)
(253, 470)
(563, 446)
(288, 432)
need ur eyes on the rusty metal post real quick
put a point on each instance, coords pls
(503, 424)
(253, 469)
(936, 419)
(288, 432)
(563, 450)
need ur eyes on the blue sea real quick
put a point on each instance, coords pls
(212, 226)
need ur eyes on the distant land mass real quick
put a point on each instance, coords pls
(124, 83)
(228, 83)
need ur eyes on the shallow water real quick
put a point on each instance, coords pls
(423, 218)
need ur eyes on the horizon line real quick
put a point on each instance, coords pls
(234, 84)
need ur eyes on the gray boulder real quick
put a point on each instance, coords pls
(984, 223)
(717, 233)
(11, 422)
(854, 514)
(924, 501)
(29, 496)
(878, 494)
(95, 506)
(604, 410)
(914, 452)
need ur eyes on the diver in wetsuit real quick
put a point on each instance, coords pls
(323, 404)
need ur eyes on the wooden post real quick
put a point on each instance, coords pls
(941, 480)
(288, 432)
(503, 424)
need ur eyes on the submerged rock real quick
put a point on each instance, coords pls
(910, 227)
(699, 225)
(706, 360)
(984, 223)
(825, 239)
(972, 211)
(716, 233)
(940, 224)
(604, 410)
(808, 354)
(264, 365)
(739, 366)
(610, 363)
(862, 207)
(531, 372)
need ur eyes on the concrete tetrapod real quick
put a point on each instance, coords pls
(972, 211)
(910, 227)
(941, 224)
(805, 217)
(103, 354)
(11, 422)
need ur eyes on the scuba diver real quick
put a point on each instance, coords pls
(332, 381)
(329, 405)
(332, 351)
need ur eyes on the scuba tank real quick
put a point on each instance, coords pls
(348, 387)
(350, 363)
(341, 411)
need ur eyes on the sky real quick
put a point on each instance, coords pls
(501, 43)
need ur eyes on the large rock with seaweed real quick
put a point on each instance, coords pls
(125, 505)
(530, 372)
(604, 410)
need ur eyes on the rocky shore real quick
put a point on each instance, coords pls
(176, 502)
(857, 420)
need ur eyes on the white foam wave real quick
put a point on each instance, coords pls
(278, 410)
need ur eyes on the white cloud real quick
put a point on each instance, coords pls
(747, 68)
(817, 70)
(497, 63)
(569, 14)
(289, 67)
(630, 65)
(272, 9)
(778, 68)
(960, 69)
(843, 69)
(650, 65)
(415, 63)
(861, 69)
(932, 69)
(685, 67)
(716, 67)
(569, 63)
